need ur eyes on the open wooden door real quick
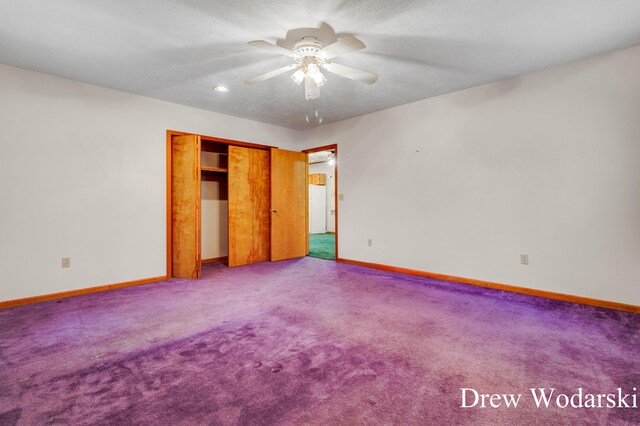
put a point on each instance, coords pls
(185, 206)
(288, 204)
(248, 205)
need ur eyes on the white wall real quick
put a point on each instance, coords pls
(317, 209)
(82, 174)
(214, 220)
(329, 171)
(546, 164)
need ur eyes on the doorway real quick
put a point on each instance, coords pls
(323, 208)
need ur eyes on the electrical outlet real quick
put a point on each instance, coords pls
(524, 259)
(369, 242)
(66, 262)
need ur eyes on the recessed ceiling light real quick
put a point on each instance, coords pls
(221, 89)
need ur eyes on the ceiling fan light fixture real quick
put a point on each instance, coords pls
(319, 78)
(312, 69)
(298, 76)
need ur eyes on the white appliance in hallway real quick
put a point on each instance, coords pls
(317, 209)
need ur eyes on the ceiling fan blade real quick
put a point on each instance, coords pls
(311, 89)
(268, 75)
(351, 73)
(346, 44)
(272, 47)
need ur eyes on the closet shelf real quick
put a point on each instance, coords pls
(213, 170)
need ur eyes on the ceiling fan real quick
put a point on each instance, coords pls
(310, 57)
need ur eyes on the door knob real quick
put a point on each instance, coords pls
(274, 210)
(241, 211)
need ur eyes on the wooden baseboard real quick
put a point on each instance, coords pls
(79, 292)
(505, 287)
(215, 259)
(331, 232)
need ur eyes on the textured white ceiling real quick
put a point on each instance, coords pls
(176, 50)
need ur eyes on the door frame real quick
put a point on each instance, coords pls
(333, 147)
(169, 135)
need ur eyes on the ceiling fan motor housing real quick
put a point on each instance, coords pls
(306, 51)
(308, 46)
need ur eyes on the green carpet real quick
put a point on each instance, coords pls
(322, 246)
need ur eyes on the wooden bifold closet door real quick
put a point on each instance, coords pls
(185, 206)
(248, 205)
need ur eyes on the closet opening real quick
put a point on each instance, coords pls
(323, 205)
(214, 196)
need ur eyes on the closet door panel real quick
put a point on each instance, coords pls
(185, 206)
(260, 187)
(288, 204)
(248, 206)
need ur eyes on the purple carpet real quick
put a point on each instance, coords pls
(311, 341)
